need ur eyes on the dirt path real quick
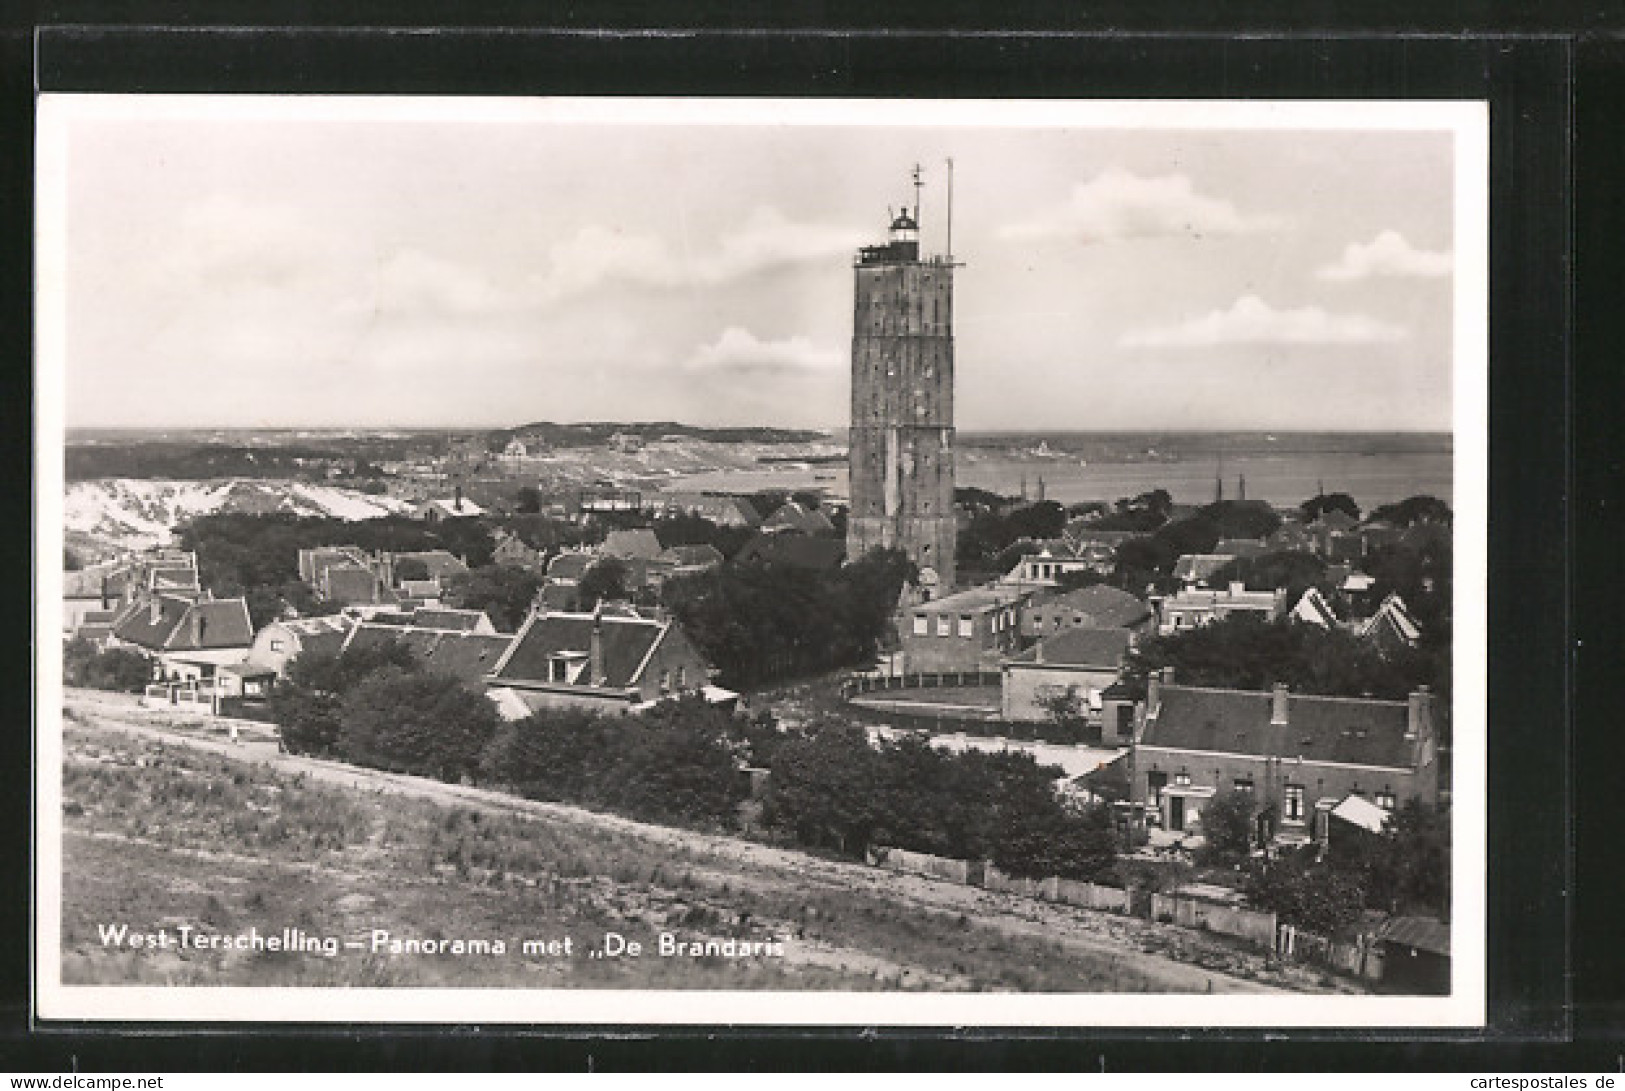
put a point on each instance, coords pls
(1175, 959)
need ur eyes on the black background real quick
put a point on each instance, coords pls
(1557, 95)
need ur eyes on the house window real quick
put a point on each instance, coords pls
(276, 645)
(665, 680)
(1385, 800)
(944, 626)
(967, 625)
(921, 626)
(1292, 803)
(1183, 780)
(1244, 784)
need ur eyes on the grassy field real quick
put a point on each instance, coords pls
(158, 835)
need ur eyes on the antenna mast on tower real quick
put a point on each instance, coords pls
(917, 185)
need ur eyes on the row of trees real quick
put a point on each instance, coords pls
(681, 763)
(1244, 651)
(834, 788)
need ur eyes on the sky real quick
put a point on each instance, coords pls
(276, 266)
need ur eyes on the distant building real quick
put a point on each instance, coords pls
(1192, 609)
(465, 654)
(1095, 607)
(1084, 661)
(1295, 751)
(458, 506)
(972, 630)
(796, 517)
(1198, 569)
(724, 511)
(1045, 569)
(1313, 609)
(510, 549)
(277, 644)
(603, 661)
(607, 500)
(638, 543)
(1392, 628)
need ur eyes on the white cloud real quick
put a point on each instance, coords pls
(1388, 255)
(1251, 321)
(764, 240)
(741, 352)
(1119, 204)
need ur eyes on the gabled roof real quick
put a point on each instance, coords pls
(1102, 606)
(1288, 537)
(464, 655)
(184, 625)
(570, 565)
(451, 507)
(1347, 730)
(637, 542)
(793, 551)
(445, 617)
(795, 516)
(313, 561)
(690, 556)
(1313, 609)
(1080, 648)
(1361, 812)
(1392, 620)
(627, 642)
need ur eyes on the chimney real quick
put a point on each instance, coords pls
(1420, 715)
(457, 503)
(1153, 693)
(198, 626)
(1168, 676)
(595, 652)
(156, 606)
(1279, 704)
(1236, 588)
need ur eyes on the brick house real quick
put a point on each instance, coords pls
(1298, 752)
(974, 630)
(1086, 661)
(1096, 607)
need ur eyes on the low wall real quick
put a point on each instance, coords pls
(923, 863)
(1258, 928)
(1086, 895)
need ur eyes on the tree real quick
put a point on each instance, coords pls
(605, 579)
(1413, 510)
(1316, 506)
(416, 722)
(307, 704)
(71, 561)
(1242, 518)
(1068, 715)
(1227, 827)
(1312, 896)
(529, 501)
(503, 592)
(1294, 572)
(123, 669)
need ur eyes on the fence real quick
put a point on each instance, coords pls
(1085, 895)
(874, 683)
(1226, 920)
(1360, 957)
(923, 863)
(181, 698)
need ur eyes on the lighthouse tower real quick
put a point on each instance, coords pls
(901, 459)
